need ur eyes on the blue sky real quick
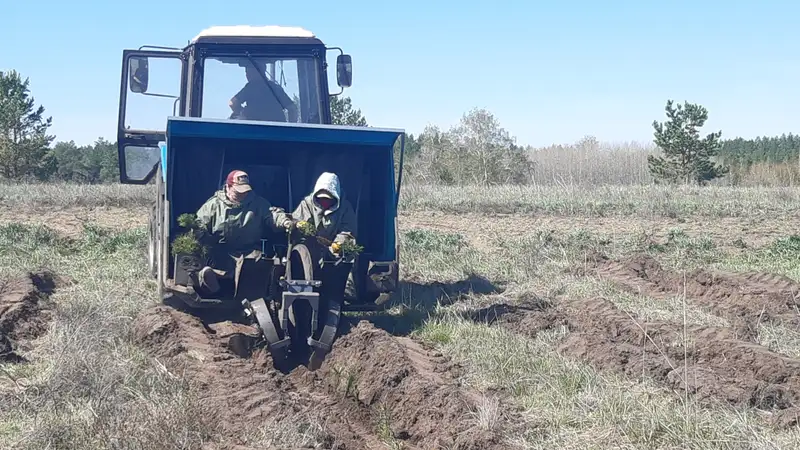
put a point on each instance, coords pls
(551, 72)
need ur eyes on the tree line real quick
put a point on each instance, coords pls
(776, 149)
(477, 150)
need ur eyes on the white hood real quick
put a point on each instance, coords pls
(328, 182)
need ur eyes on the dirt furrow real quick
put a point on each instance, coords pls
(239, 394)
(24, 315)
(709, 363)
(373, 388)
(744, 299)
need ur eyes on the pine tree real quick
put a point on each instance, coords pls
(687, 157)
(24, 142)
(343, 113)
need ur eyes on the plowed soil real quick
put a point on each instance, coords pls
(23, 313)
(708, 363)
(70, 221)
(372, 388)
(744, 299)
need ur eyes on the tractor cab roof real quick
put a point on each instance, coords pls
(249, 34)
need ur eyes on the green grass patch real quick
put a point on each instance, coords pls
(435, 256)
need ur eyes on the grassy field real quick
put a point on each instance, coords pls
(562, 335)
(556, 200)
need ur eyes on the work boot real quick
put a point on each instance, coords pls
(208, 279)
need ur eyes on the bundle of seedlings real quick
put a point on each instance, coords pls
(189, 241)
(348, 248)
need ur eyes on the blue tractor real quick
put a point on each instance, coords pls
(293, 297)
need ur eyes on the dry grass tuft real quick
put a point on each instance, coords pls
(89, 386)
(33, 195)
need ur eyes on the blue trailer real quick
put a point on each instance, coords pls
(292, 298)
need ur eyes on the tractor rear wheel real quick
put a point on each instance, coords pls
(152, 244)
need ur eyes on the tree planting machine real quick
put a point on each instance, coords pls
(181, 128)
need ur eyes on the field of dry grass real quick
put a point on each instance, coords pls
(576, 317)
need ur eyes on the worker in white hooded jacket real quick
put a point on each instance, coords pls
(333, 217)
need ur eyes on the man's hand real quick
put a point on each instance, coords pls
(235, 105)
(290, 224)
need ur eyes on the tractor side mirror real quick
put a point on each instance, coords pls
(138, 74)
(344, 71)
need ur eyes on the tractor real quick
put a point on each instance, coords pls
(293, 296)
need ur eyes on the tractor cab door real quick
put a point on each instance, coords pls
(150, 92)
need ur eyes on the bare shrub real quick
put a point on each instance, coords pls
(592, 163)
(476, 151)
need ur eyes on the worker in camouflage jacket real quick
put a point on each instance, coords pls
(233, 222)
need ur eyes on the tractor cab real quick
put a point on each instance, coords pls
(261, 73)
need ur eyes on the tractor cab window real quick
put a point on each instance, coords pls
(259, 88)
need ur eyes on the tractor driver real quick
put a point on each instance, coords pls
(234, 220)
(265, 99)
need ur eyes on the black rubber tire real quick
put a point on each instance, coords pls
(152, 244)
(160, 234)
(302, 255)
